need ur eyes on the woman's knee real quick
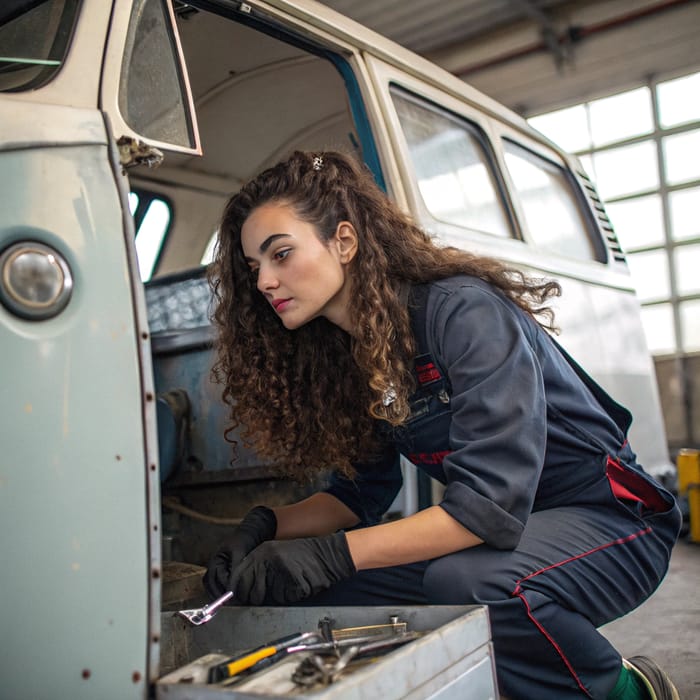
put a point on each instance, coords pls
(468, 577)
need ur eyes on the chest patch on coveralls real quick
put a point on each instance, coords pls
(426, 371)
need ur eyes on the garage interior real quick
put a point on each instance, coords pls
(574, 69)
(128, 524)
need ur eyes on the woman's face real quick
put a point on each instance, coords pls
(300, 276)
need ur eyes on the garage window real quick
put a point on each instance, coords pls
(641, 146)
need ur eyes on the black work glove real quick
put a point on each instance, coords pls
(259, 525)
(286, 571)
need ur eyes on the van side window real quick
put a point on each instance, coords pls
(151, 90)
(152, 217)
(34, 39)
(210, 250)
(451, 165)
(553, 216)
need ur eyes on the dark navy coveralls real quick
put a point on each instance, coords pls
(575, 533)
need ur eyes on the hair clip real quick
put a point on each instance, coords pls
(317, 163)
(389, 396)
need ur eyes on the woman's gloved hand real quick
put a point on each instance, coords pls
(286, 571)
(258, 526)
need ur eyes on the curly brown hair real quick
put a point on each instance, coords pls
(308, 399)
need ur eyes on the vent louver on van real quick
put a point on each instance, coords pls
(603, 218)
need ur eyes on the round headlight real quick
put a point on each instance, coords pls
(35, 280)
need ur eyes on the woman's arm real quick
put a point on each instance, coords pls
(428, 534)
(320, 514)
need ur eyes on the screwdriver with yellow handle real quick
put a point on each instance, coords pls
(237, 664)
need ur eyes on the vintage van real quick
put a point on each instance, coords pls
(124, 127)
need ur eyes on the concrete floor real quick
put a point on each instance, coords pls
(667, 626)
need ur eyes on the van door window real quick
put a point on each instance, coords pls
(452, 168)
(553, 216)
(34, 39)
(151, 90)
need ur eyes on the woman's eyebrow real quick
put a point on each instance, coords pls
(270, 239)
(267, 243)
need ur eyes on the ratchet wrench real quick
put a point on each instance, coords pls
(198, 616)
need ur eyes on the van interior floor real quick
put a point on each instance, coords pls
(667, 626)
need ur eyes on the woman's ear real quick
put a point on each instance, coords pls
(346, 241)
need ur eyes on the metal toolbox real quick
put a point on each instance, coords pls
(452, 659)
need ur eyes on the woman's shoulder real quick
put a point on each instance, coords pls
(471, 300)
(459, 288)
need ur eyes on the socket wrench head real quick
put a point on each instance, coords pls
(198, 616)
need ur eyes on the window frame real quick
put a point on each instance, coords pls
(110, 88)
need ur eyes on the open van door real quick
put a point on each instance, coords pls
(79, 501)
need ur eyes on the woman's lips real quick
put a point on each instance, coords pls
(280, 304)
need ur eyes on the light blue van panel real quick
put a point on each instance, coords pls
(73, 505)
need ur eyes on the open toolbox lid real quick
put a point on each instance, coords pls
(452, 658)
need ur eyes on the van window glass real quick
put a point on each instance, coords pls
(452, 168)
(151, 90)
(210, 250)
(553, 216)
(34, 39)
(152, 217)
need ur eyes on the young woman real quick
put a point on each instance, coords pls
(349, 338)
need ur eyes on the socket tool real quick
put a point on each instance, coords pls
(198, 616)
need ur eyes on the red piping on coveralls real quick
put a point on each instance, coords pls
(517, 592)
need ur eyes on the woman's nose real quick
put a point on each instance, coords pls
(266, 279)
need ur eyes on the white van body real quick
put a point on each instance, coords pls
(81, 474)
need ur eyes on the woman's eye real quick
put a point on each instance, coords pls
(282, 254)
(254, 272)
